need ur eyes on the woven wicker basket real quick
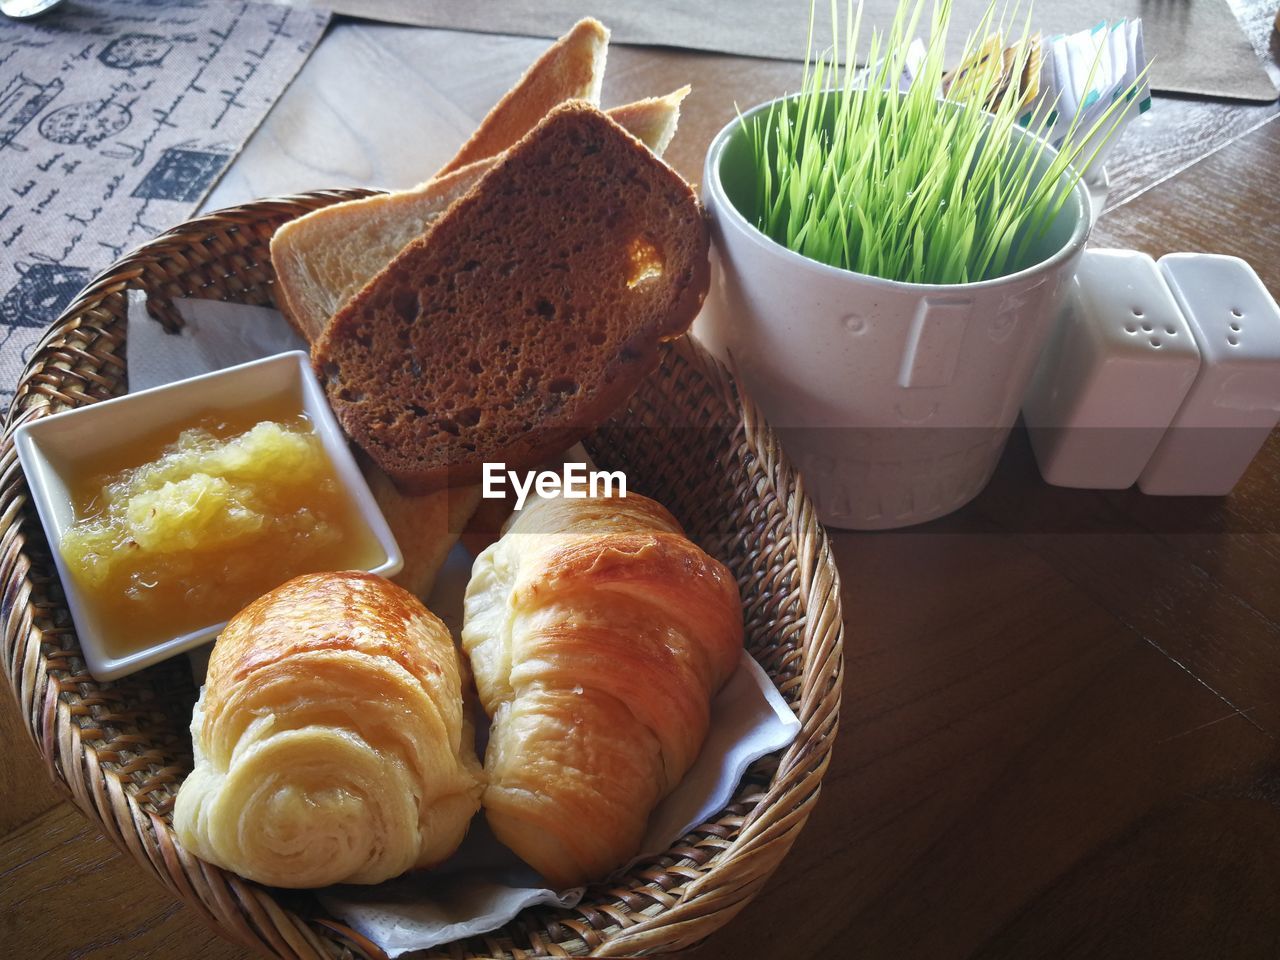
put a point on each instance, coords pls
(688, 438)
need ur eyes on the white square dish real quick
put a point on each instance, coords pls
(49, 447)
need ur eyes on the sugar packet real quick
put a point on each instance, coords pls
(1082, 75)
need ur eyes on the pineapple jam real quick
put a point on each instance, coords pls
(181, 529)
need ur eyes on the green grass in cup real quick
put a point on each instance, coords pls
(906, 186)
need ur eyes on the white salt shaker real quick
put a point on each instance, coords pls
(1112, 376)
(1235, 401)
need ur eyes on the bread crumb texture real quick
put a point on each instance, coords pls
(527, 314)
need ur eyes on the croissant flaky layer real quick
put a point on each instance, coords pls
(598, 634)
(330, 742)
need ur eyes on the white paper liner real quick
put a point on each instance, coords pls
(216, 335)
(483, 885)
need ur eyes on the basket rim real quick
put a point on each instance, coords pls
(250, 914)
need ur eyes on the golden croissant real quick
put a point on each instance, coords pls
(598, 634)
(330, 743)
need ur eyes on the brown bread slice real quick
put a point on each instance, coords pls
(571, 69)
(323, 258)
(527, 314)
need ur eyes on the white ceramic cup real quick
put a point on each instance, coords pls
(894, 400)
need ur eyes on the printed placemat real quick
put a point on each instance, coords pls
(116, 118)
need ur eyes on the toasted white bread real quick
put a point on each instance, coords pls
(571, 69)
(322, 259)
(425, 527)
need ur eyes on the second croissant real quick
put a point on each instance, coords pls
(598, 635)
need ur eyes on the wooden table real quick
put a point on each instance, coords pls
(1060, 720)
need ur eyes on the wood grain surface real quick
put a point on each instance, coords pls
(1060, 721)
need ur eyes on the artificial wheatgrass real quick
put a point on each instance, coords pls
(855, 173)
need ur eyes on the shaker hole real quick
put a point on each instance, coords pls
(1171, 331)
(1155, 341)
(1130, 328)
(1235, 312)
(1147, 328)
(1233, 340)
(1235, 328)
(1137, 311)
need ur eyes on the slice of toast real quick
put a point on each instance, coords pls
(652, 121)
(425, 527)
(572, 68)
(323, 258)
(527, 313)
